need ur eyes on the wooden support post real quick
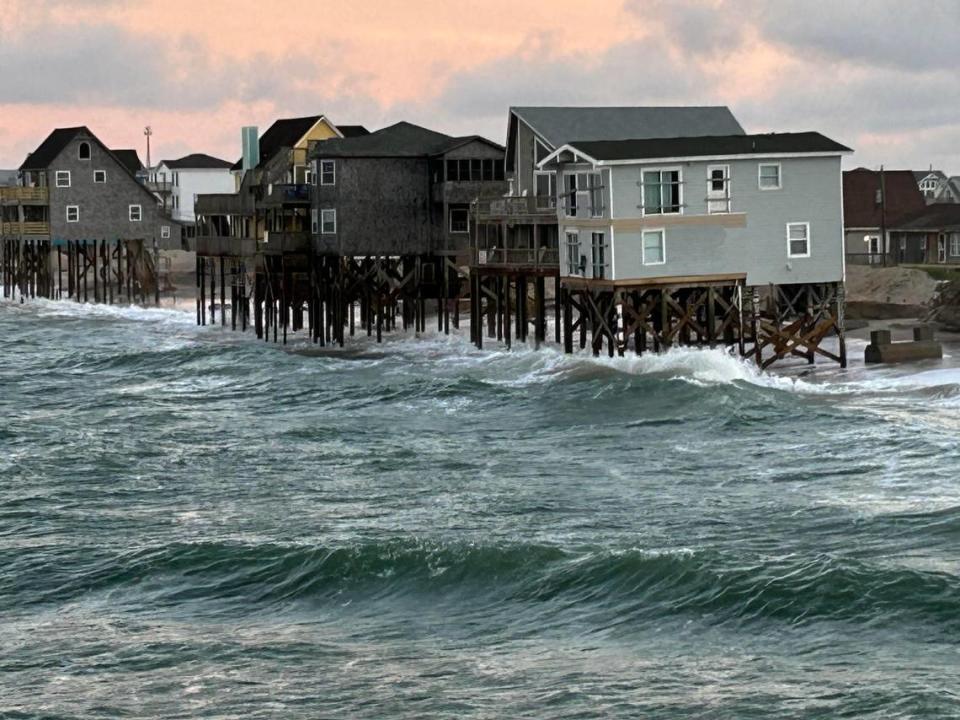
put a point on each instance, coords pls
(564, 300)
(223, 295)
(541, 303)
(506, 311)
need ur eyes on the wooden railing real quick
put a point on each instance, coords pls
(25, 194)
(514, 205)
(27, 228)
(525, 257)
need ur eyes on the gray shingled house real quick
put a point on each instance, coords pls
(75, 188)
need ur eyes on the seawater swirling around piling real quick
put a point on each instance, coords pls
(197, 524)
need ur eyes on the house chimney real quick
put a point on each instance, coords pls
(249, 139)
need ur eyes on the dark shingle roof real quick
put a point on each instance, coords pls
(560, 125)
(198, 161)
(352, 130)
(129, 159)
(285, 132)
(709, 146)
(400, 140)
(860, 206)
(52, 146)
(933, 218)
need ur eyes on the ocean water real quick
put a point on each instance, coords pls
(194, 524)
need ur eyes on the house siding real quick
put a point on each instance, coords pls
(752, 239)
(104, 208)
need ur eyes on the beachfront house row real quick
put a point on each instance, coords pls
(72, 187)
(767, 206)
(874, 203)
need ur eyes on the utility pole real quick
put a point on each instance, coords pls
(148, 132)
(883, 217)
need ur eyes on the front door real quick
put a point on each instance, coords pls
(941, 248)
(873, 247)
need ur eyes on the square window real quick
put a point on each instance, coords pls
(769, 174)
(135, 213)
(459, 220)
(73, 213)
(63, 178)
(328, 172)
(654, 247)
(661, 192)
(328, 221)
(164, 231)
(798, 239)
(99, 176)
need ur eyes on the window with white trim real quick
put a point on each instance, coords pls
(459, 219)
(73, 213)
(328, 221)
(314, 221)
(99, 176)
(595, 186)
(798, 239)
(598, 252)
(578, 194)
(654, 247)
(328, 172)
(718, 189)
(135, 213)
(661, 192)
(955, 244)
(573, 253)
(308, 177)
(164, 231)
(176, 179)
(768, 175)
(83, 151)
(545, 189)
(63, 178)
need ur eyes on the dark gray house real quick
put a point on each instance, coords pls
(75, 188)
(403, 190)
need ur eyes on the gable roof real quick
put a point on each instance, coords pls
(932, 218)
(922, 174)
(352, 130)
(198, 161)
(860, 206)
(706, 146)
(560, 125)
(51, 147)
(129, 159)
(402, 139)
(285, 132)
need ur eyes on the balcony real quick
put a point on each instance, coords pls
(453, 191)
(224, 204)
(527, 258)
(163, 187)
(526, 208)
(222, 246)
(288, 241)
(287, 194)
(27, 229)
(24, 195)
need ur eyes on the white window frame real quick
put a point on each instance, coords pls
(164, 232)
(333, 172)
(603, 253)
(779, 166)
(806, 225)
(723, 201)
(324, 214)
(315, 221)
(955, 244)
(139, 217)
(643, 190)
(551, 199)
(75, 208)
(663, 246)
(64, 173)
(99, 182)
(89, 151)
(450, 221)
(598, 189)
(308, 176)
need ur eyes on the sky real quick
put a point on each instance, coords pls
(880, 76)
